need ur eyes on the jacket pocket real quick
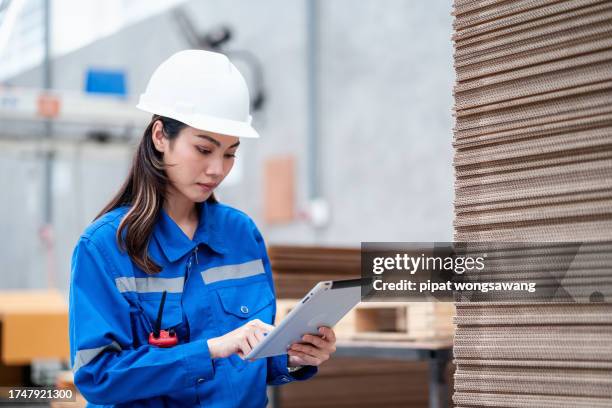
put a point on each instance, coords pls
(246, 302)
(243, 303)
(172, 314)
(143, 314)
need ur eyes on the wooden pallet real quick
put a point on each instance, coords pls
(391, 321)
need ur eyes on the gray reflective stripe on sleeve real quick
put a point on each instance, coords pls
(147, 285)
(86, 355)
(243, 270)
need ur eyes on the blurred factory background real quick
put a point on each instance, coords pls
(353, 101)
(356, 96)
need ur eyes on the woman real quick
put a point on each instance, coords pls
(164, 247)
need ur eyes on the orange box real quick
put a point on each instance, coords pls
(34, 325)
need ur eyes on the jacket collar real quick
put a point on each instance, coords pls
(173, 241)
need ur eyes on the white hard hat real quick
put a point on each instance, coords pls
(202, 89)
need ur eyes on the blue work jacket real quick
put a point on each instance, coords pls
(215, 283)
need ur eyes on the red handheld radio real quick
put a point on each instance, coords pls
(162, 338)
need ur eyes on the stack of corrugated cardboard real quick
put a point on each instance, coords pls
(533, 161)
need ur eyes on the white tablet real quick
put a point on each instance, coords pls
(324, 305)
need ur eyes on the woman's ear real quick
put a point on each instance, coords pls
(160, 141)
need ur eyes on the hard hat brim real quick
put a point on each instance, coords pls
(204, 122)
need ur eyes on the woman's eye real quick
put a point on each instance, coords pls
(230, 155)
(203, 151)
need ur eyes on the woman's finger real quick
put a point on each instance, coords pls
(308, 359)
(328, 333)
(259, 334)
(317, 341)
(262, 325)
(252, 339)
(244, 347)
(325, 344)
(310, 350)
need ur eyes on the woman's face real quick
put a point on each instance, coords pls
(196, 161)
